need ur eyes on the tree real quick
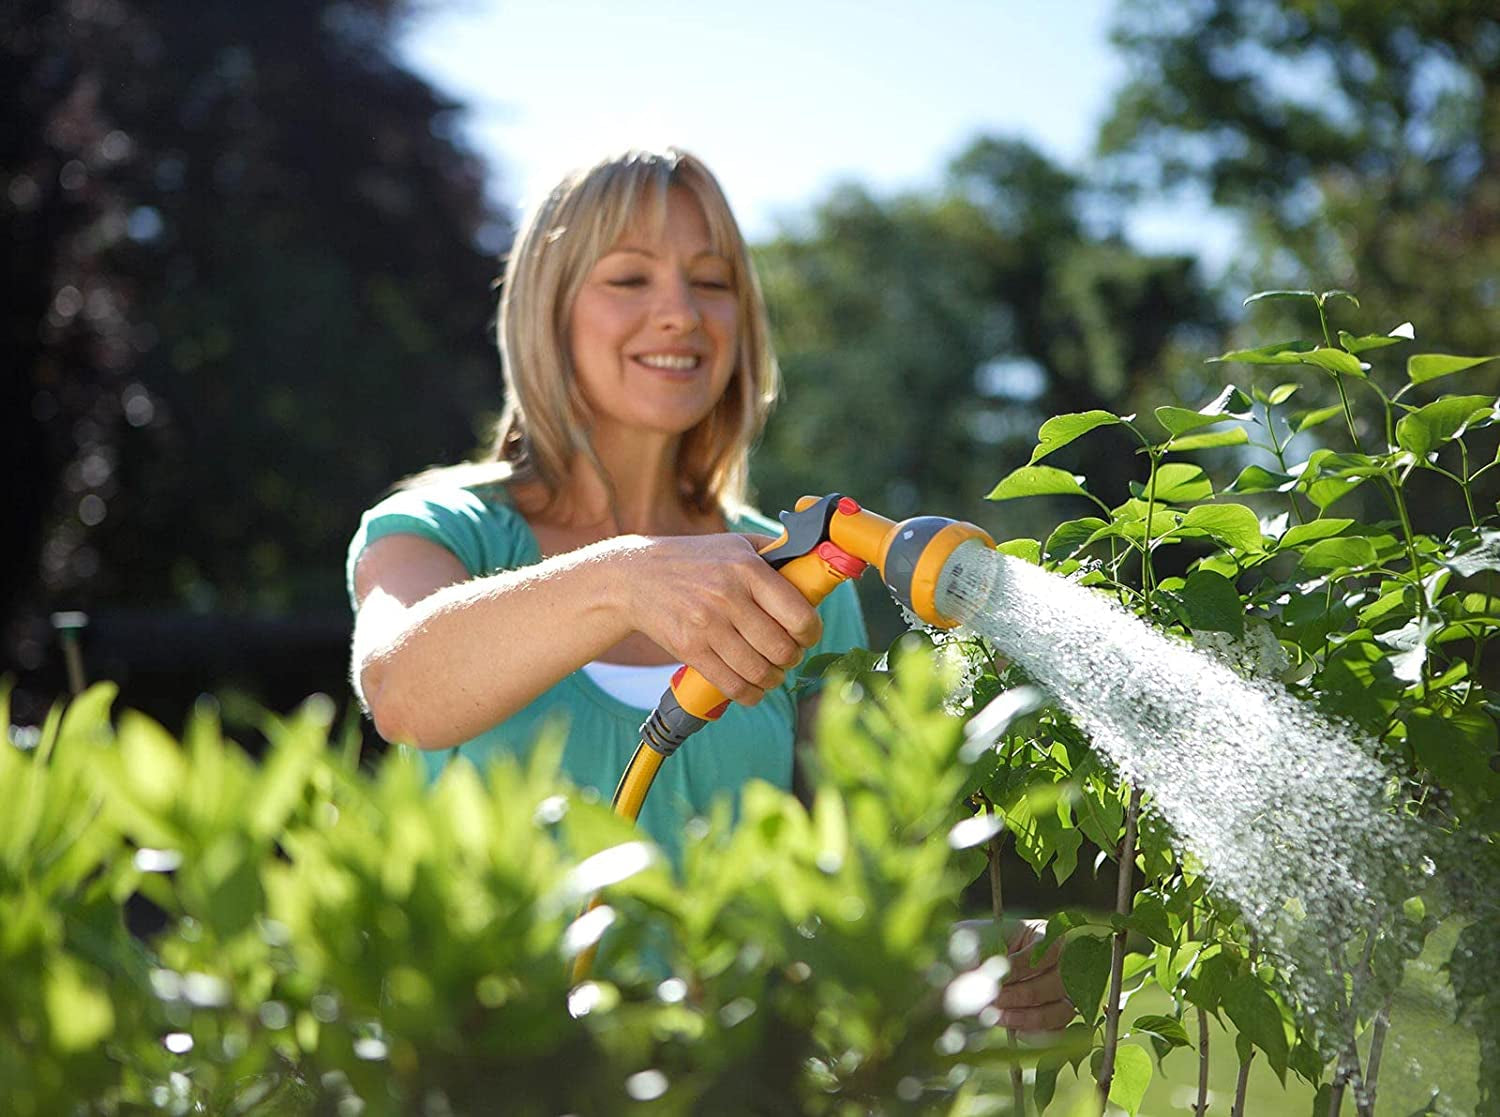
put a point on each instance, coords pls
(923, 337)
(262, 267)
(1360, 142)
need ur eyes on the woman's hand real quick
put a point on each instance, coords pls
(1032, 998)
(713, 603)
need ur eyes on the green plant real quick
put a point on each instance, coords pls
(340, 941)
(1380, 624)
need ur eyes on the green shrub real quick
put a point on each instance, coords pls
(338, 941)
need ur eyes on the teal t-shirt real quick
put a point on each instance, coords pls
(601, 733)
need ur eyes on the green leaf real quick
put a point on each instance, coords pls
(1317, 417)
(1037, 480)
(1259, 479)
(1428, 427)
(1234, 436)
(1085, 973)
(1281, 353)
(1132, 1076)
(1281, 393)
(1339, 293)
(1071, 535)
(79, 1012)
(1149, 916)
(1231, 403)
(1312, 531)
(1403, 332)
(1335, 361)
(1429, 366)
(1456, 748)
(1212, 603)
(1323, 1101)
(1205, 985)
(1060, 430)
(1257, 1017)
(1165, 1033)
(1028, 550)
(1482, 552)
(1234, 525)
(1177, 483)
(1279, 294)
(1339, 553)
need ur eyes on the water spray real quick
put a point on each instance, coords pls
(825, 541)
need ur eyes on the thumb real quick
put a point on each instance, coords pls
(759, 540)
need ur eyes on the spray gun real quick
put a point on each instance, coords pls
(824, 542)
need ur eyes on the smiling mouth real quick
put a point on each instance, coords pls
(671, 362)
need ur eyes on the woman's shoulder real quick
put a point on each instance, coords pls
(745, 518)
(477, 520)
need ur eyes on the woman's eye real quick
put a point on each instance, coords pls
(627, 281)
(713, 284)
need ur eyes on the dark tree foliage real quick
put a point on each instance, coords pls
(924, 338)
(252, 271)
(1361, 141)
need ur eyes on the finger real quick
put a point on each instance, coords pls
(753, 670)
(784, 604)
(729, 682)
(1023, 968)
(1042, 989)
(763, 634)
(1044, 1018)
(759, 540)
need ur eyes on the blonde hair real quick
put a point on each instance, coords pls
(544, 425)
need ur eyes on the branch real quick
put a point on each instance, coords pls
(1240, 1086)
(1123, 896)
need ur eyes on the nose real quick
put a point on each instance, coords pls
(677, 308)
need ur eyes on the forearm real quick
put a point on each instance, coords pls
(468, 656)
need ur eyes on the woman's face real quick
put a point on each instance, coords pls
(655, 327)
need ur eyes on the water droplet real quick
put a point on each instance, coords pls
(609, 866)
(587, 930)
(648, 1085)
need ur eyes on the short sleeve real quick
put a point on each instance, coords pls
(482, 535)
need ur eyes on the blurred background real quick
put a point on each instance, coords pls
(251, 249)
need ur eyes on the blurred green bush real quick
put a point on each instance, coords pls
(343, 941)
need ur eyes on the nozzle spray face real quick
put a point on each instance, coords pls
(967, 580)
(920, 548)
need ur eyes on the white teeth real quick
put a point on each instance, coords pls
(669, 361)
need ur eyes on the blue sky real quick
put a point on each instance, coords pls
(783, 99)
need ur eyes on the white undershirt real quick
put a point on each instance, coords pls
(633, 685)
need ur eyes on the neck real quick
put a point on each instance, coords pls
(643, 476)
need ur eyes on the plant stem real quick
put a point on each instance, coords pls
(1364, 1097)
(1467, 484)
(1124, 894)
(1240, 1086)
(997, 907)
(1336, 1096)
(1200, 1109)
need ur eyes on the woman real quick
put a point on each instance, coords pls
(606, 542)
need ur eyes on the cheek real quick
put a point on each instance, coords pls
(726, 326)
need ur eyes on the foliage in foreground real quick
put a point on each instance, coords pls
(340, 941)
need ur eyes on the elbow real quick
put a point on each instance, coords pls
(389, 707)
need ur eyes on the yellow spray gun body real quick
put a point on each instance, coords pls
(824, 542)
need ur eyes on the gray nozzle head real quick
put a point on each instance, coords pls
(906, 550)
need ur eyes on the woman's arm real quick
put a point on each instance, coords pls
(439, 657)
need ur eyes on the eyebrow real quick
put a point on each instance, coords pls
(706, 253)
